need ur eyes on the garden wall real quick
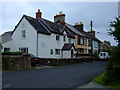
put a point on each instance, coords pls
(15, 62)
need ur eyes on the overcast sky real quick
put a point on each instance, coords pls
(101, 13)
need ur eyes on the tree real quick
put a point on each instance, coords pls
(115, 30)
(113, 68)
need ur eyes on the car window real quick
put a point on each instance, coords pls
(104, 54)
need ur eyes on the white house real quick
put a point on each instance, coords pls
(41, 37)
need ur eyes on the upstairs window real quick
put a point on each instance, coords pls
(80, 40)
(64, 38)
(89, 42)
(85, 42)
(23, 33)
(69, 40)
(57, 37)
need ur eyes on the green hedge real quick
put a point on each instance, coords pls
(113, 68)
(12, 53)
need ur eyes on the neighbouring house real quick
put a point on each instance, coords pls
(5, 37)
(79, 40)
(91, 44)
(106, 45)
(85, 42)
(41, 37)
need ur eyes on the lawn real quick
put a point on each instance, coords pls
(100, 80)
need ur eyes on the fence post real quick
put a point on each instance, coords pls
(27, 62)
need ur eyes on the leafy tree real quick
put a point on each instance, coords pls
(113, 68)
(115, 30)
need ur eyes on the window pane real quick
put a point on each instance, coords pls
(23, 33)
(51, 51)
(69, 40)
(23, 49)
(58, 38)
(6, 49)
(57, 51)
(64, 38)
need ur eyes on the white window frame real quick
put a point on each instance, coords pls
(57, 52)
(23, 33)
(57, 37)
(25, 49)
(7, 49)
(69, 40)
(64, 38)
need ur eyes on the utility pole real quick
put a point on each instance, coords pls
(91, 25)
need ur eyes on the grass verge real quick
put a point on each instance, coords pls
(100, 80)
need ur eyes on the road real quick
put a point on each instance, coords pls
(70, 76)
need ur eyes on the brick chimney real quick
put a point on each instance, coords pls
(38, 14)
(79, 26)
(59, 17)
(92, 33)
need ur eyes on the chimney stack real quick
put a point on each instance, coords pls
(79, 26)
(38, 14)
(92, 33)
(60, 17)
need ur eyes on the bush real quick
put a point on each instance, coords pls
(113, 69)
(12, 53)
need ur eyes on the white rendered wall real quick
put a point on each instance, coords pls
(48, 42)
(28, 41)
(45, 42)
(66, 54)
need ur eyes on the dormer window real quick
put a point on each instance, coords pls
(69, 40)
(57, 38)
(64, 38)
(23, 33)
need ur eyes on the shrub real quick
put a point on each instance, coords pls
(12, 53)
(113, 68)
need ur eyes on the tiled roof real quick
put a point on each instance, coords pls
(90, 36)
(6, 37)
(45, 26)
(68, 46)
(70, 27)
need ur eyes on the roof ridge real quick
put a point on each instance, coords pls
(46, 26)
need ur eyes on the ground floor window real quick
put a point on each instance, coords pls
(79, 51)
(57, 51)
(6, 49)
(89, 51)
(51, 51)
(23, 49)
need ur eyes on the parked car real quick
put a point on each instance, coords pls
(104, 55)
(34, 60)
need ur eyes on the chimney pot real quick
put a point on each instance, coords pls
(59, 17)
(79, 26)
(38, 14)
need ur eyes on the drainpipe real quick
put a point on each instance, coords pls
(91, 47)
(37, 46)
